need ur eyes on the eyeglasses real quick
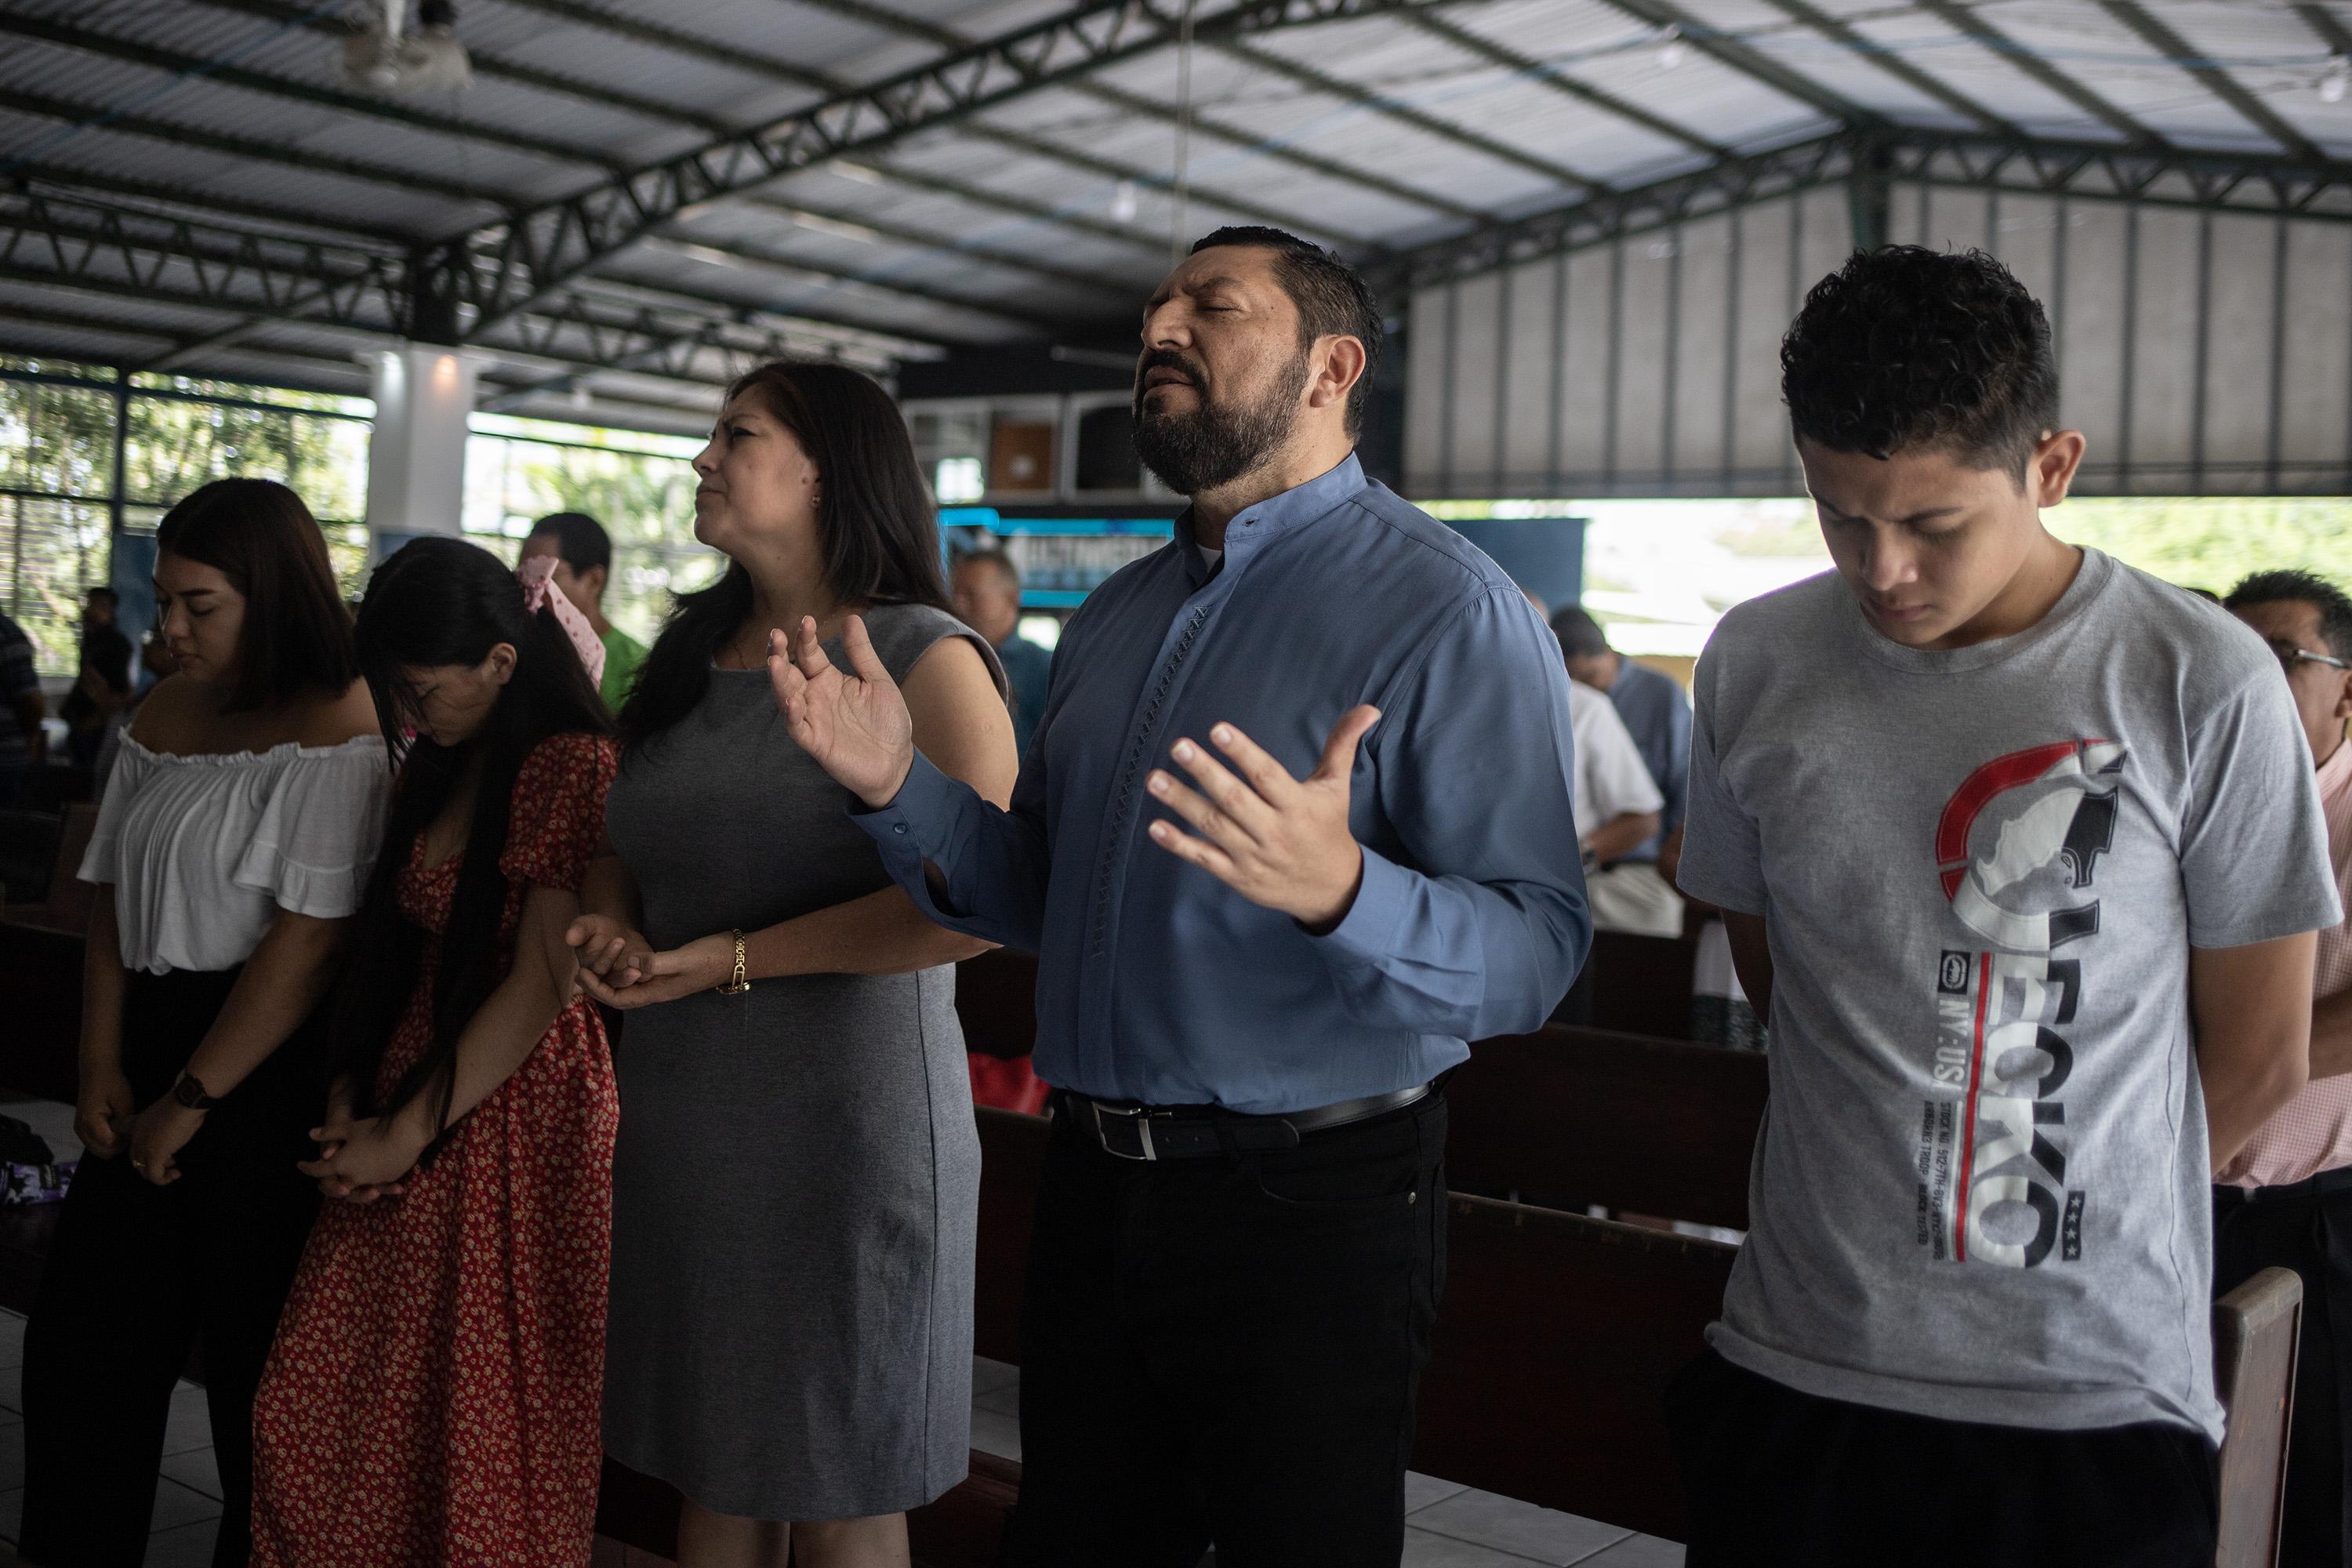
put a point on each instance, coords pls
(2289, 656)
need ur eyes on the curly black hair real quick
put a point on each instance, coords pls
(1904, 349)
(2289, 586)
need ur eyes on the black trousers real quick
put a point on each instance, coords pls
(139, 1274)
(1225, 1350)
(1775, 1476)
(2306, 1227)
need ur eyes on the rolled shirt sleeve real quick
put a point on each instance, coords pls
(993, 863)
(1471, 920)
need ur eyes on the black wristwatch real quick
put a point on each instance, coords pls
(189, 1092)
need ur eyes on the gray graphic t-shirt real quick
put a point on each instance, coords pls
(1980, 1192)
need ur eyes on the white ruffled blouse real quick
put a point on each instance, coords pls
(204, 851)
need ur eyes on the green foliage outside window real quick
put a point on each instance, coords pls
(639, 485)
(2212, 543)
(58, 479)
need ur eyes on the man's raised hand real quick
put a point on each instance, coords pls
(1282, 843)
(856, 726)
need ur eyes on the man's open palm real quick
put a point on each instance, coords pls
(855, 725)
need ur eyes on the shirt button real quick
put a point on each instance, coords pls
(899, 829)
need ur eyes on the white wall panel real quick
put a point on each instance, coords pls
(1529, 419)
(1425, 414)
(2090, 326)
(2316, 391)
(1641, 416)
(1956, 221)
(2161, 395)
(1768, 295)
(1476, 343)
(1650, 365)
(1703, 326)
(2234, 448)
(1584, 418)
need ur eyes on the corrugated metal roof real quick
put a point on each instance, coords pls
(1377, 133)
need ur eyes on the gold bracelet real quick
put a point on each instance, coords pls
(740, 982)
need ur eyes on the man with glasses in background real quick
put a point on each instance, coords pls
(2286, 1200)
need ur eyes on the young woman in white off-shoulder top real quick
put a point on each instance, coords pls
(233, 843)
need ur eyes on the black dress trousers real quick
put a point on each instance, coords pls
(1780, 1478)
(140, 1274)
(1226, 1350)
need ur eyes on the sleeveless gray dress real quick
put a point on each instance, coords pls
(796, 1182)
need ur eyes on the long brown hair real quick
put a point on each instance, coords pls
(297, 635)
(878, 523)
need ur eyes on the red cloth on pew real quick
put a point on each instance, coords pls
(1007, 1083)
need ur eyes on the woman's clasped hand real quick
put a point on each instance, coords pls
(622, 970)
(365, 1158)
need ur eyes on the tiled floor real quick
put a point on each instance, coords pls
(1447, 1526)
(187, 1499)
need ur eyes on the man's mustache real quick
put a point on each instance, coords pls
(1164, 359)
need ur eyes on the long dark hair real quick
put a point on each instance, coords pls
(879, 527)
(259, 534)
(441, 602)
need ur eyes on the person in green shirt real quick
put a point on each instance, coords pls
(584, 563)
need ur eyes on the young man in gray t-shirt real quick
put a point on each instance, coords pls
(2021, 850)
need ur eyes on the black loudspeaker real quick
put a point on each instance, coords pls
(1106, 459)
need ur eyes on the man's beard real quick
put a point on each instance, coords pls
(1214, 444)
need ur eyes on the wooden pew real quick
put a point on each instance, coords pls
(996, 1001)
(1559, 1336)
(1555, 1342)
(1568, 1118)
(1642, 984)
(1012, 1165)
(2256, 1330)
(41, 952)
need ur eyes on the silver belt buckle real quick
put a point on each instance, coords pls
(1135, 1118)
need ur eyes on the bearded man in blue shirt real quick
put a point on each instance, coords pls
(1295, 827)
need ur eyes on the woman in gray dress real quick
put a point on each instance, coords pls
(797, 1173)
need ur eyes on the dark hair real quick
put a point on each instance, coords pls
(1332, 297)
(1904, 349)
(102, 591)
(877, 520)
(257, 533)
(1580, 634)
(580, 539)
(996, 558)
(2335, 606)
(442, 602)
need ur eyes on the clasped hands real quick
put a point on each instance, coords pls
(621, 969)
(1283, 843)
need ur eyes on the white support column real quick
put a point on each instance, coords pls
(417, 455)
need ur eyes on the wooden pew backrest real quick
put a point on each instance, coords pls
(1566, 1118)
(2256, 1329)
(1642, 984)
(997, 1000)
(1554, 1347)
(1012, 1165)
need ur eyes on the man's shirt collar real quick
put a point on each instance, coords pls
(1254, 526)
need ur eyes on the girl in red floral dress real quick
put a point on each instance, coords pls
(432, 1395)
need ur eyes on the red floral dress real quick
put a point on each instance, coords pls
(434, 1393)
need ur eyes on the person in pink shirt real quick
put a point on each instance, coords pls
(2285, 1199)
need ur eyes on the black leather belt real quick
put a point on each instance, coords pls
(1192, 1132)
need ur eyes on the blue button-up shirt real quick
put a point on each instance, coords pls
(1158, 983)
